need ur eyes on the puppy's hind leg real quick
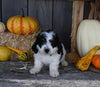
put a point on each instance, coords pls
(37, 67)
(64, 62)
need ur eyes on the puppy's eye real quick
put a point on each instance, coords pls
(51, 40)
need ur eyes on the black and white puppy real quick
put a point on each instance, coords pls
(49, 51)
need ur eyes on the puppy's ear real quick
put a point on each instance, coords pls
(34, 48)
(58, 43)
(59, 48)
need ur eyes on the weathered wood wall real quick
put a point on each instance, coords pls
(56, 14)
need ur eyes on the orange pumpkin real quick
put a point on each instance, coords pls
(96, 61)
(22, 24)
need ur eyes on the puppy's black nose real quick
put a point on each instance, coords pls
(46, 50)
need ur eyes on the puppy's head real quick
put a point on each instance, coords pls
(47, 42)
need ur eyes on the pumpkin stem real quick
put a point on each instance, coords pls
(22, 12)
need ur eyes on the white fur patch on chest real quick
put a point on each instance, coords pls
(47, 59)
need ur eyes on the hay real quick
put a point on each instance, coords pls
(21, 42)
(73, 57)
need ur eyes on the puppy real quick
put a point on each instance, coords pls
(48, 51)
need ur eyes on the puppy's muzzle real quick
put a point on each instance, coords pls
(46, 50)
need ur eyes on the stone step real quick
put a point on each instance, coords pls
(48, 83)
(12, 76)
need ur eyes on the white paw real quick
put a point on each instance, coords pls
(33, 71)
(54, 74)
(64, 63)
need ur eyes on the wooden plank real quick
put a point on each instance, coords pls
(62, 20)
(32, 8)
(0, 10)
(77, 17)
(12, 7)
(42, 11)
(97, 10)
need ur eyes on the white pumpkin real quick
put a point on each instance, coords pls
(88, 36)
(2, 27)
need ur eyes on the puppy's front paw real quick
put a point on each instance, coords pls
(33, 71)
(54, 74)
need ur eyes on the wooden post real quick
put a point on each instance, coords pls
(77, 17)
(97, 10)
(91, 11)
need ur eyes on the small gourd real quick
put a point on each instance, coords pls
(2, 27)
(23, 55)
(5, 53)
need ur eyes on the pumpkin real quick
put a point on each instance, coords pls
(96, 61)
(22, 24)
(88, 36)
(2, 27)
